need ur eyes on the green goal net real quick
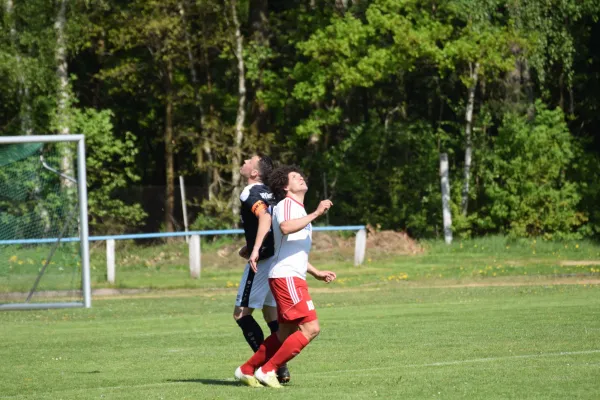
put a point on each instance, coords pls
(41, 260)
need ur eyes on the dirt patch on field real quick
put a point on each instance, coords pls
(572, 263)
(392, 242)
(387, 242)
(539, 282)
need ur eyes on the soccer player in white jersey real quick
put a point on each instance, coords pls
(254, 292)
(298, 323)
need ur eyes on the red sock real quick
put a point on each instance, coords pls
(290, 348)
(264, 352)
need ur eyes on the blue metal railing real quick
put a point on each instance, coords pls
(167, 234)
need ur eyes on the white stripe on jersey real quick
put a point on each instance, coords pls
(292, 289)
(291, 251)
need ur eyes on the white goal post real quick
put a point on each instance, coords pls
(81, 229)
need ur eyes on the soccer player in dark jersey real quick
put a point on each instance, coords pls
(254, 291)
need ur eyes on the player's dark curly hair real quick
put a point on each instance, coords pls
(279, 179)
(265, 167)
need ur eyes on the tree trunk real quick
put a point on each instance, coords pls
(169, 145)
(23, 90)
(213, 178)
(561, 88)
(236, 158)
(66, 163)
(192, 66)
(468, 138)
(445, 183)
(204, 146)
(571, 100)
(341, 6)
(258, 22)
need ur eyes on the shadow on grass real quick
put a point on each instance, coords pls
(215, 382)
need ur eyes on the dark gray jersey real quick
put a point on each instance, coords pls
(255, 198)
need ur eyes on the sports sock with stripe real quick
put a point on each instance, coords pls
(252, 331)
(290, 348)
(265, 352)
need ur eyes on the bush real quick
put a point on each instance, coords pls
(527, 183)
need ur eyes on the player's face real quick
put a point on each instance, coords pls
(250, 167)
(296, 183)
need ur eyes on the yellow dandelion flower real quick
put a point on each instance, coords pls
(12, 259)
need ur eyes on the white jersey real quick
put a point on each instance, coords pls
(291, 251)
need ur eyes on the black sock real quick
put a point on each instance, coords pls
(252, 331)
(273, 326)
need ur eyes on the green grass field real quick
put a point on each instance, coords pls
(387, 342)
(483, 319)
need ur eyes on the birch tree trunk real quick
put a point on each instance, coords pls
(258, 21)
(192, 66)
(213, 173)
(23, 90)
(236, 157)
(445, 183)
(468, 137)
(169, 145)
(341, 5)
(66, 163)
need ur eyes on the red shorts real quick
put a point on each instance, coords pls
(294, 304)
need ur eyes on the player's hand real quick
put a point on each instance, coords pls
(244, 253)
(326, 276)
(253, 260)
(323, 207)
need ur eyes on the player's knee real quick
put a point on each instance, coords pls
(314, 332)
(240, 312)
(311, 330)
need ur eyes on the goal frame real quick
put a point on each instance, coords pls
(83, 220)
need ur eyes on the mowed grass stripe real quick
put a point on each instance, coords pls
(373, 344)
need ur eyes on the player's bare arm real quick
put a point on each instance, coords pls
(264, 226)
(326, 276)
(295, 225)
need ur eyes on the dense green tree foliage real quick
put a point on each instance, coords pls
(364, 95)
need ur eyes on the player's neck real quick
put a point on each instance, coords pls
(299, 197)
(253, 181)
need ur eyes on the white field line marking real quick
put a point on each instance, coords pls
(437, 364)
(458, 362)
